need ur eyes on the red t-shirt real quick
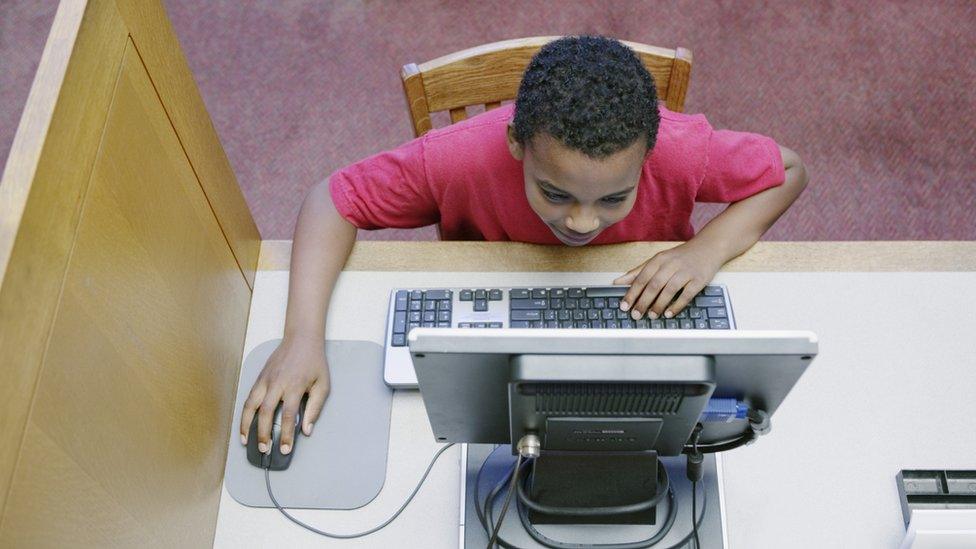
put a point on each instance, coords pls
(463, 177)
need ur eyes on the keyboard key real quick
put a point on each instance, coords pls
(581, 324)
(717, 312)
(414, 316)
(657, 324)
(535, 324)
(519, 324)
(428, 324)
(444, 305)
(412, 325)
(437, 294)
(480, 294)
(579, 315)
(539, 293)
(686, 324)
(495, 324)
(551, 324)
(399, 340)
(429, 316)
(522, 314)
(585, 303)
(558, 293)
(480, 305)
(682, 314)
(416, 305)
(608, 314)
(430, 305)
(627, 324)
(443, 316)
(515, 304)
(622, 314)
(719, 323)
(519, 293)
(416, 295)
(701, 324)
(480, 324)
(670, 324)
(399, 322)
(570, 303)
(599, 303)
(641, 324)
(694, 312)
(575, 293)
(712, 290)
(402, 298)
(611, 324)
(565, 323)
(610, 291)
(549, 315)
(555, 303)
(443, 324)
(467, 295)
(613, 302)
(495, 295)
(464, 325)
(592, 314)
(709, 301)
(564, 315)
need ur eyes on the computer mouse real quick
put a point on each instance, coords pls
(274, 460)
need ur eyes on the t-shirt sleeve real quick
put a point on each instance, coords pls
(739, 165)
(387, 190)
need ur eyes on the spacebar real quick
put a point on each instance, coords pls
(609, 291)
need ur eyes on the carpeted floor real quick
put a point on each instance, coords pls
(877, 97)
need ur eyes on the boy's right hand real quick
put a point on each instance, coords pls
(297, 366)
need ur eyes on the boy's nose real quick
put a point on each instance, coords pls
(582, 222)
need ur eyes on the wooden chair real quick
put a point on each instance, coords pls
(489, 74)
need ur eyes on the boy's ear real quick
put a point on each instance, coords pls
(514, 146)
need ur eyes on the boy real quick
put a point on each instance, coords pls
(587, 158)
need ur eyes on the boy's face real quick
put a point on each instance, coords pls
(575, 195)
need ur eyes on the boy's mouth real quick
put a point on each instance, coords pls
(574, 239)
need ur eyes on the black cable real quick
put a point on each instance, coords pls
(508, 500)
(477, 500)
(267, 480)
(694, 507)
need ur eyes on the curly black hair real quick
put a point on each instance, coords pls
(592, 93)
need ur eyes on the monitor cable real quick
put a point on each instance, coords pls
(267, 480)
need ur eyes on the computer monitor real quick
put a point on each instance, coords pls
(639, 390)
(601, 406)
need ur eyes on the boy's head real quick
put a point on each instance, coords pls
(585, 117)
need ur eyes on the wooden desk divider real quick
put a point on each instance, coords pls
(127, 259)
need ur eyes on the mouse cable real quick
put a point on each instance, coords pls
(267, 480)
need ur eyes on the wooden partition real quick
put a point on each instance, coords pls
(127, 258)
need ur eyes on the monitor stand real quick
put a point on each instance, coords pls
(497, 464)
(588, 480)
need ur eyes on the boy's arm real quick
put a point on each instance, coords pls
(692, 265)
(323, 242)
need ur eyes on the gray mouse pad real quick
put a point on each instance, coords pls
(343, 464)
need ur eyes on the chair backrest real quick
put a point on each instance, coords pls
(490, 74)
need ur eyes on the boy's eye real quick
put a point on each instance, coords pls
(553, 197)
(614, 199)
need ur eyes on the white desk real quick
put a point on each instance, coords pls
(894, 388)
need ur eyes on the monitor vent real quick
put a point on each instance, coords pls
(605, 399)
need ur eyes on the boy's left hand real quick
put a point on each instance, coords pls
(686, 268)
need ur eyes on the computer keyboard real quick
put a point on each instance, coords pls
(527, 307)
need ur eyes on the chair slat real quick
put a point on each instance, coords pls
(492, 105)
(459, 114)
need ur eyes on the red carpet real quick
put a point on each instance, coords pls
(878, 98)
